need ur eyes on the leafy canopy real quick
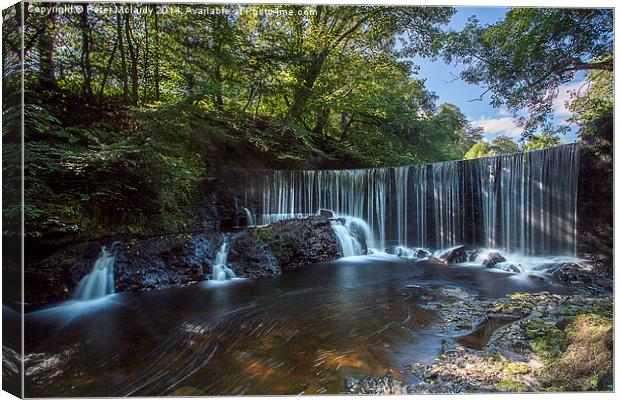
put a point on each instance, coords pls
(523, 59)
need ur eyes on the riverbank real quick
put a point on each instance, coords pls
(524, 342)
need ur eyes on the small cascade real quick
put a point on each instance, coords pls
(221, 272)
(100, 281)
(249, 217)
(352, 235)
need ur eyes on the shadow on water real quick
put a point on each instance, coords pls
(304, 331)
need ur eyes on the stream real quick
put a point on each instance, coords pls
(302, 332)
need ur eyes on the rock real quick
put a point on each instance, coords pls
(506, 266)
(326, 213)
(165, 260)
(414, 253)
(570, 273)
(454, 255)
(492, 259)
(473, 256)
(297, 242)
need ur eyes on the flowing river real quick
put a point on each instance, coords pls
(306, 331)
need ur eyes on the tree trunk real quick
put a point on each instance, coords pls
(157, 95)
(134, 61)
(302, 93)
(108, 68)
(145, 84)
(321, 123)
(85, 57)
(119, 31)
(47, 74)
(217, 76)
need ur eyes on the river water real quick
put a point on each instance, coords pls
(303, 332)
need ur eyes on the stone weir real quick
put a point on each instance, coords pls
(523, 202)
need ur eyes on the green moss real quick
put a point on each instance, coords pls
(262, 234)
(510, 385)
(284, 246)
(576, 351)
(548, 341)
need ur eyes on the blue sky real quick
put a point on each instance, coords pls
(440, 79)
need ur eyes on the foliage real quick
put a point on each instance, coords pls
(98, 181)
(478, 150)
(540, 142)
(504, 145)
(523, 59)
(593, 111)
(499, 145)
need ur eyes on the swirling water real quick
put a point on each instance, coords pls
(305, 331)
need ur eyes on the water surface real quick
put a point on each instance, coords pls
(302, 332)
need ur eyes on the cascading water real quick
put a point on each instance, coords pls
(523, 202)
(100, 281)
(221, 272)
(353, 235)
(349, 246)
(249, 216)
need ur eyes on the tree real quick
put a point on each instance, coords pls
(523, 59)
(592, 109)
(504, 145)
(478, 150)
(540, 142)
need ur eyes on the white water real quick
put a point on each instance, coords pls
(100, 281)
(353, 236)
(221, 272)
(249, 215)
(523, 202)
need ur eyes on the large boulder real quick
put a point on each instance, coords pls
(297, 242)
(570, 273)
(454, 255)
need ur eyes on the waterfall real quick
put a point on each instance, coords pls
(100, 281)
(349, 246)
(352, 236)
(221, 272)
(249, 216)
(523, 202)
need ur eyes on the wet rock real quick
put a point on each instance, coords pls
(326, 213)
(165, 260)
(506, 266)
(454, 255)
(473, 256)
(492, 259)
(251, 258)
(304, 241)
(570, 273)
(374, 385)
(413, 253)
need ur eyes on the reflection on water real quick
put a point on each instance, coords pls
(477, 339)
(302, 332)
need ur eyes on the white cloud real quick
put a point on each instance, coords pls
(560, 109)
(498, 126)
(504, 112)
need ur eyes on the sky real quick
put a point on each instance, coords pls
(440, 76)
